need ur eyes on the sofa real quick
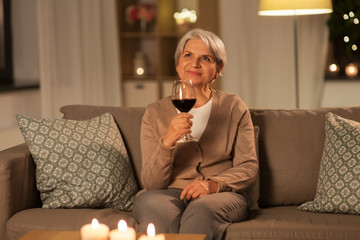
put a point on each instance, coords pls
(290, 148)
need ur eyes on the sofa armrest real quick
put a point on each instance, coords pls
(17, 183)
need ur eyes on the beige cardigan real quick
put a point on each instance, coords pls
(225, 152)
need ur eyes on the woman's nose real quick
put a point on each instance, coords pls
(195, 62)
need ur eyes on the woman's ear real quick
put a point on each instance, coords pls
(220, 68)
(218, 72)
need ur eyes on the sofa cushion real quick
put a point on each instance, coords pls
(338, 189)
(128, 121)
(286, 223)
(80, 163)
(63, 220)
(290, 147)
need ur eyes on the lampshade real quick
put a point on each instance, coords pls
(294, 7)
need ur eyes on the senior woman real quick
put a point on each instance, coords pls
(199, 186)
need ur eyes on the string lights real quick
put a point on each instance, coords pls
(351, 17)
(344, 26)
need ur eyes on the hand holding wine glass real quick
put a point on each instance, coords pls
(183, 98)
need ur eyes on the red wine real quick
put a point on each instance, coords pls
(184, 105)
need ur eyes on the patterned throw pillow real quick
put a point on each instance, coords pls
(80, 164)
(338, 187)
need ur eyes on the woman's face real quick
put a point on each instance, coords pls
(197, 63)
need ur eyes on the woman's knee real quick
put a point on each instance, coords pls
(215, 213)
(226, 207)
(161, 207)
(199, 211)
(145, 201)
(152, 202)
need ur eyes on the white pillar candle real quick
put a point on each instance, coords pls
(151, 235)
(94, 231)
(123, 232)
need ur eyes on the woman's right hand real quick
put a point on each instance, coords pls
(180, 124)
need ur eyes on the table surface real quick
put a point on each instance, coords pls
(75, 235)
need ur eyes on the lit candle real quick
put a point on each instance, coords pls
(94, 231)
(123, 232)
(151, 234)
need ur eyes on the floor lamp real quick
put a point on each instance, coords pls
(294, 8)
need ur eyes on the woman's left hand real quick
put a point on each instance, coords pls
(198, 188)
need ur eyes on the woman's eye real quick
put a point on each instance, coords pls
(207, 59)
(187, 55)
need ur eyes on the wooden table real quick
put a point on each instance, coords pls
(75, 235)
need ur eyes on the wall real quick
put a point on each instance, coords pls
(28, 102)
(341, 93)
(261, 59)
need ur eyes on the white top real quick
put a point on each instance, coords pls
(201, 118)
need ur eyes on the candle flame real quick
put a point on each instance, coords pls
(151, 230)
(122, 226)
(95, 223)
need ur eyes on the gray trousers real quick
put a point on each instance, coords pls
(210, 214)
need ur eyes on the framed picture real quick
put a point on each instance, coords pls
(6, 65)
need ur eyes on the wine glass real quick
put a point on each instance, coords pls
(183, 98)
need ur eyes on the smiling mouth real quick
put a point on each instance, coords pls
(194, 73)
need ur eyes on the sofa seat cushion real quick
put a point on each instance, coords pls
(287, 222)
(63, 219)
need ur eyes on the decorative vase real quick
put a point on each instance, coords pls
(143, 25)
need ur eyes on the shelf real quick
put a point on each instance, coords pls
(356, 79)
(170, 35)
(157, 46)
(341, 78)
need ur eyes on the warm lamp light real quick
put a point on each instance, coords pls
(351, 70)
(294, 8)
(185, 16)
(334, 67)
(139, 64)
(185, 19)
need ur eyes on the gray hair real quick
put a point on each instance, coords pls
(213, 43)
